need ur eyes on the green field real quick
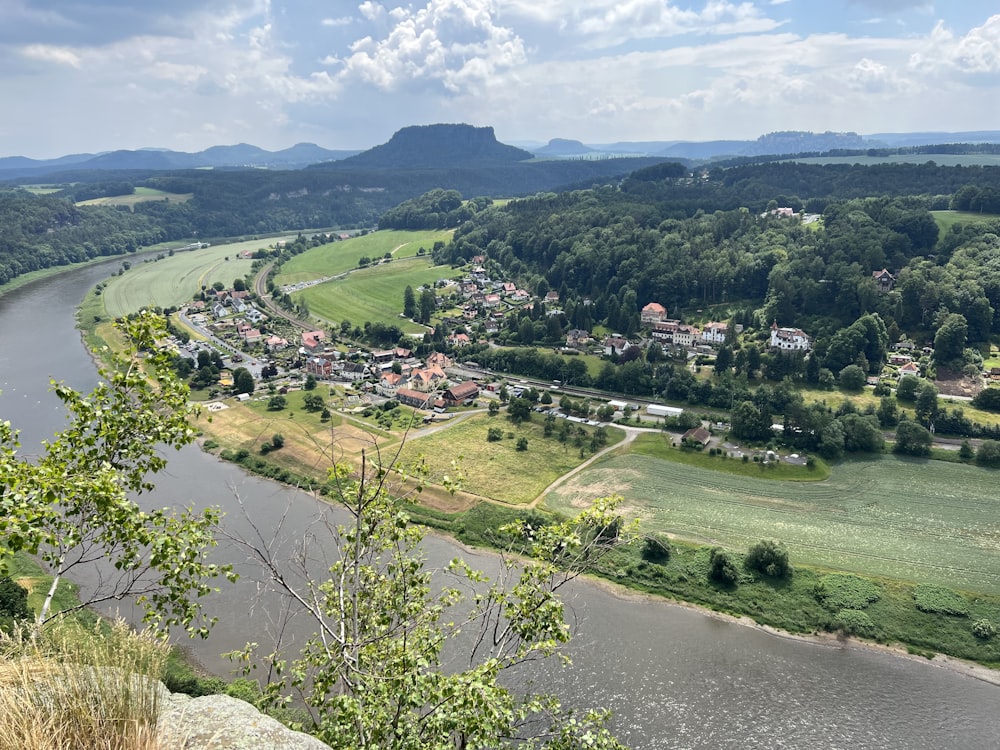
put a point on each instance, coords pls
(175, 279)
(140, 195)
(947, 219)
(900, 518)
(372, 294)
(337, 257)
(498, 470)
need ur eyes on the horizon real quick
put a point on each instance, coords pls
(92, 78)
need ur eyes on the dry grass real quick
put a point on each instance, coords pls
(68, 688)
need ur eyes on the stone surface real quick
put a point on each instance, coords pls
(219, 722)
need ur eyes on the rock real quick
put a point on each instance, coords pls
(219, 722)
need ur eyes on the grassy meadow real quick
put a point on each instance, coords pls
(140, 195)
(947, 219)
(887, 516)
(338, 257)
(372, 294)
(499, 471)
(176, 279)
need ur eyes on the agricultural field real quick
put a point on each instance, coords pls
(947, 219)
(929, 522)
(175, 279)
(140, 195)
(498, 470)
(338, 257)
(372, 294)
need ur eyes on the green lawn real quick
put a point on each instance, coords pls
(372, 294)
(175, 279)
(915, 520)
(337, 257)
(498, 470)
(947, 219)
(141, 194)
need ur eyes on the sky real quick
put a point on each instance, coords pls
(97, 75)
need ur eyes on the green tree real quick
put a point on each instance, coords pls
(409, 302)
(493, 408)
(371, 675)
(965, 451)
(906, 389)
(750, 423)
(277, 403)
(522, 444)
(887, 412)
(656, 548)
(988, 399)
(242, 381)
(988, 453)
(312, 402)
(277, 441)
(519, 410)
(768, 557)
(428, 304)
(13, 603)
(310, 384)
(926, 405)
(74, 503)
(912, 439)
(949, 341)
(239, 285)
(852, 378)
(721, 567)
(494, 435)
(723, 360)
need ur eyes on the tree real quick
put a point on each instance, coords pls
(73, 505)
(723, 360)
(768, 557)
(277, 441)
(310, 384)
(852, 378)
(721, 567)
(493, 408)
(277, 403)
(988, 399)
(494, 435)
(428, 304)
(242, 381)
(912, 439)
(988, 453)
(371, 676)
(409, 302)
(965, 451)
(750, 423)
(926, 405)
(522, 444)
(239, 285)
(313, 402)
(13, 603)
(949, 341)
(887, 412)
(519, 410)
(906, 389)
(656, 548)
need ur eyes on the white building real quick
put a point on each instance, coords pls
(789, 339)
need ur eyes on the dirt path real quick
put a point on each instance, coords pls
(630, 434)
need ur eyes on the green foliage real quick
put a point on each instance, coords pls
(310, 383)
(722, 567)
(843, 591)
(768, 557)
(13, 603)
(277, 403)
(242, 381)
(940, 600)
(313, 402)
(371, 675)
(984, 629)
(656, 548)
(988, 453)
(856, 622)
(852, 378)
(906, 389)
(494, 435)
(73, 503)
(988, 399)
(912, 439)
(522, 444)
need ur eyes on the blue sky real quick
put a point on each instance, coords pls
(96, 75)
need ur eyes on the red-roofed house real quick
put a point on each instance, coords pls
(313, 340)
(654, 312)
(461, 392)
(412, 398)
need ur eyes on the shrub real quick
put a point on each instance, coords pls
(842, 591)
(522, 444)
(939, 600)
(984, 629)
(856, 622)
(768, 557)
(656, 549)
(494, 434)
(721, 567)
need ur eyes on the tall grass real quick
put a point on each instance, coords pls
(69, 688)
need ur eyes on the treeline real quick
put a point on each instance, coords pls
(436, 209)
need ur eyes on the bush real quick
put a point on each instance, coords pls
(522, 444)
(939, 600)
(494, 435)
(656, 549)
(856, 622)
(768, 557)
(842, 591)
(721, 567)
(983, 629)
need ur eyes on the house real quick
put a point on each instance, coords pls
(899, 359)
(509, 287)
(439, 359)
(910, 368)
(460, 393)
(615, 345)
(459, 339)
(714, 333)
(789, 339)
(519, 295)
(254, 315)
(478, 259)
(383, 355)
(313, 340)
(654, 312)
(696, 435)
(577, 338)
(389, 384)
(252, 336)
(685, 336)
(237, 304)
(319, 367)
(883, 280)
(491, 300)
(354, 371)
(412, 398)
(664, 331)
(274, 343)
(219, 310)
(552, 296)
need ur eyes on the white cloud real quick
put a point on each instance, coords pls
(455, 43)
(976, 52)
(334, 22)
(52, 54)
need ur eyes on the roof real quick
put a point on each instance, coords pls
(700, 434)
(655, 307)
(462, 391)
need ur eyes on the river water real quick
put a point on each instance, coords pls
(674, 677)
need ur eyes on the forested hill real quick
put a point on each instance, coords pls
(609, 251)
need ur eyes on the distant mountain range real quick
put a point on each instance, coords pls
(445, 146)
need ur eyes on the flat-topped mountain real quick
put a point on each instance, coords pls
(437, 146)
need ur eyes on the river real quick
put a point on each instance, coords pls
(674, 677)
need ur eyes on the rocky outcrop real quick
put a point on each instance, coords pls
(218, 722)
